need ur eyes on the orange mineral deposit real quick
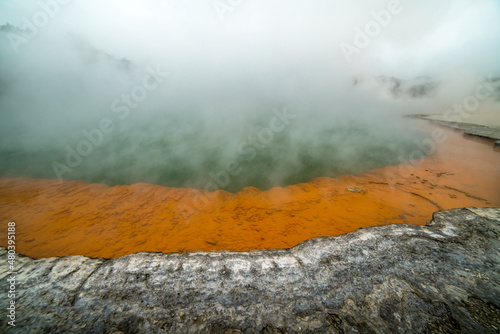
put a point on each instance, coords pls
(75, 218)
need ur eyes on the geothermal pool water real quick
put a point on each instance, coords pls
(273, 148)
(79, 218)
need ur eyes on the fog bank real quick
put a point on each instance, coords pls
(271, 93)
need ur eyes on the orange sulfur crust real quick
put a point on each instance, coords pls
(75, 218)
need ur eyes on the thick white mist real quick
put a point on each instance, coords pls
(228, 71)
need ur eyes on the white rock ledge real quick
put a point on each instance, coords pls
(439, 278)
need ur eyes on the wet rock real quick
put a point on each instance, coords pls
(439, 278)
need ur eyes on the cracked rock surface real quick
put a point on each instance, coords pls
(439, 278)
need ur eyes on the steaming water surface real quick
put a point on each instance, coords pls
(73, 217)
(183, 153)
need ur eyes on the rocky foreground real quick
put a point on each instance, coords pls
(439, 278)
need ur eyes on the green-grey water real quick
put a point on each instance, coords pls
(175, 153)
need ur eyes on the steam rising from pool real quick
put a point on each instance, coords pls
(170, 94)
(179, 152)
